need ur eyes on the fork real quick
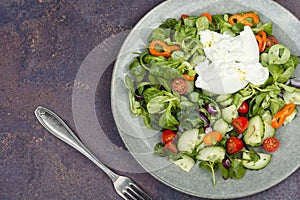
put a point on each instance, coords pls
(124, 186)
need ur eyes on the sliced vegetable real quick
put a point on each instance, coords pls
(184, 162)
(271, 144)
(269, 131)
(221, 126)
(244, 108)
(179, 86)
(278, 54)
(255, 131)
(188, 77)
(261, 38)
(226, 163)
(168, 136)
(240, 124)
(171, 147)
(248, 19)
(271, 40)
(292, 97)
(263, 161)
(280, 116)
(212, 138)
(207, 15)
(234, 144)
(183, 16)
(188, 141)
(160, 48)
(204, 118)
(211, 108)
(229, 113)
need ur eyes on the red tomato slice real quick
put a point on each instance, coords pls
(171, 147)
(244, 108)
(271, 40)
(168, 136)
(271, 144)
(240, 124)
(234, 144)
(179, 86)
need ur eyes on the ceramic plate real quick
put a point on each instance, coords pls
(140, 141)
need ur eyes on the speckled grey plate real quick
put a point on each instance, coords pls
(140, 141)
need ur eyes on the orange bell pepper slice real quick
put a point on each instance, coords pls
(207, 15)
(261, 38)
(188, 77)
(280, 116)
(242, 18)
(212, 138)
(167, 50)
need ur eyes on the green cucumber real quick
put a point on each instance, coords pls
(269, 131)
(254, 132)
(212, 154)
(260, 164)
(185, 162)
(221, 126)
(292, 97)
(290, 118)
(226, 102)
(223, 97)
(188, 141)
(229, 113)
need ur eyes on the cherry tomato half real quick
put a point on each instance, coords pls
(271, 144)
(168, 136)
(179, 86)
(244, 108)
(240, 124)
(234, 144)
(271, 40)
(171, 147)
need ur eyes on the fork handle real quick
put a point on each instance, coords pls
(55, 125)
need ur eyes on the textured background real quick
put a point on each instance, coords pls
(42, 45)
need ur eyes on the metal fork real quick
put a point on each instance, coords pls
(124, 186)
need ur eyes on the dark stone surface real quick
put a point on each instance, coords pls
(42, 45)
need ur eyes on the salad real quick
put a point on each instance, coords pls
(216, 87)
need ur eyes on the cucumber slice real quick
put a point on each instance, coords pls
(226, 102)
(292, 97)
(188, 141)
(269, 131)
(185, 162)
(229, 113)
(221, 126)
(290, 117)
(260, 164)
(254, 132)
(201, 146)
(212, 154)
(223, 97)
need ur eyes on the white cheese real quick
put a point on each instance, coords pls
(232, 62)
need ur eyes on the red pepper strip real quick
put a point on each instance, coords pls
(242, 18)
(280, 116)
(183, 16)
(188, 77)
(207, 15)
(167, 50)
(261, 38)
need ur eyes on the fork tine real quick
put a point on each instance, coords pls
(129, 194)
(135, 193)
(140, 191)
